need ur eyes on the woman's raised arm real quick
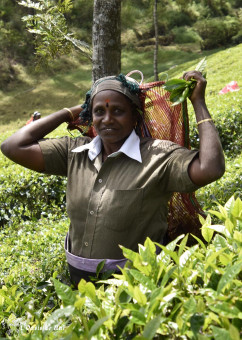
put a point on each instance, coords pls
(23, 148)
(209, 165)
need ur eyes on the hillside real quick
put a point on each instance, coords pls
(67, 79)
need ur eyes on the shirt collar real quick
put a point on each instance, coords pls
(131, 148)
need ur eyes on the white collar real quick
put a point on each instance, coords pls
(131, 148)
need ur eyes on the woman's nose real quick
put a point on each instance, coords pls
(107, 119)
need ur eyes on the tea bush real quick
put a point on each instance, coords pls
(25, 195)
(182, 293)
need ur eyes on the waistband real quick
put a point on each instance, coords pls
(90, 265)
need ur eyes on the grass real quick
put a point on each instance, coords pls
(67, 80)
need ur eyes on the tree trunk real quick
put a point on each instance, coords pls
(106, 38)
(156, 77)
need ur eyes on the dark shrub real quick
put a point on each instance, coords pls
(217, 32)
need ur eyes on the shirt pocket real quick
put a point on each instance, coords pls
(121, 209)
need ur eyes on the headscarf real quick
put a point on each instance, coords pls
(121, 83)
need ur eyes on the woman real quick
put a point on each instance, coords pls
(118, 184)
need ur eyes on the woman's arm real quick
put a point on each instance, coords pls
(210, 164)
(23, 148)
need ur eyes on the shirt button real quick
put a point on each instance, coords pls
(91, 212)
(86, 244)
(100, 180)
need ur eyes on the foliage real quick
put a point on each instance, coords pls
(229, 129)
(25, 195)
(221, 190)
(181, 89)
(182, 293)
(217, 32)
(49, 25)
(30, 196)
(30, 254)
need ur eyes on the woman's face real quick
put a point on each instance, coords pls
(113, 117)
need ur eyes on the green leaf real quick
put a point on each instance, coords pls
(91, 293)
(143, 279)
(172, 244)
(167, 275)
(234, 332)
(207, 233)
(122, 296)
(100, 267)
(96, 326)
(186, 255)
(220, 333)
(151, 327)
(53, 320)
(220, 242)
(220, 229)
(200, 242)
(185, 94)
(237, 209)
(197, 321)
(216, 213)
(172, 254)
(211, 258)
(229, 225)
(174, 84)
(176, 94)
(237, 236)
(230, 273)
(128, 254)
(190, 306)
(182, 245)
(139, 296)
(138, 317)
(64, 292)
(226, 309)
(201, 65)
(229, 204)
(223, 211)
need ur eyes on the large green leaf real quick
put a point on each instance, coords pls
(96, 326)
(207, 233)
(151, 327)
(226, 309)
(229, 275)
(65, 293)
(190, 306)
(197, 321)
(186, 255)
(143, 279)
(220, 242)
(220, 333)
(138, 317)
(237, 208)
(139, 296)
(57, 317)
(174, 84)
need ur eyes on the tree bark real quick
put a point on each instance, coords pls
(156, 77)
(106, 38)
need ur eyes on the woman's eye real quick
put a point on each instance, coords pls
(98, 112)
(118, 111)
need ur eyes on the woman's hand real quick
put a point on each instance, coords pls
(198, 93)
(23, 148)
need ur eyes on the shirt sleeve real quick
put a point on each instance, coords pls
(178, 177)
(57, 151)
